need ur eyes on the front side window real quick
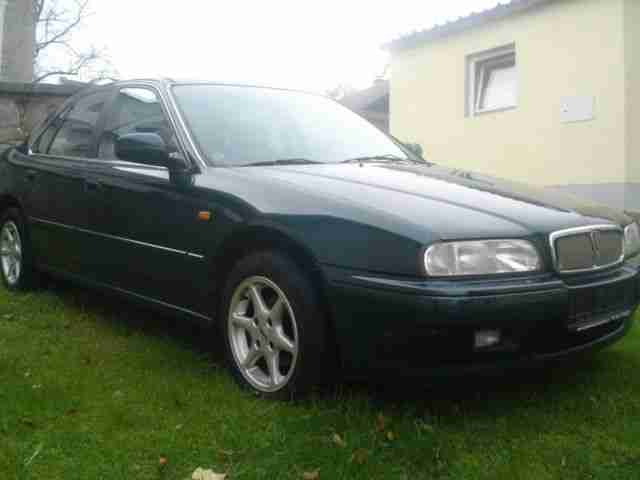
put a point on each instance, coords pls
(75, 131)
(492, 81)
(236, 125)
(136, 110)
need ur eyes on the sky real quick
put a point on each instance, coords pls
(301, 44)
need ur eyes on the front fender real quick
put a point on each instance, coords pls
(349, 244)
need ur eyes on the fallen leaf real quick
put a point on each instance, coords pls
(28, 422)
(338, 440)
(381, 422)
(425, 426)
(202, 474)
(359, 456)
(162, 461)
(390, 436)
(314, 475)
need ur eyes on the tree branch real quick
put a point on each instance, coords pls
(56, 24)
(78, 19)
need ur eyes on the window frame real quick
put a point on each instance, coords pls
(478, 68)
(184, 143)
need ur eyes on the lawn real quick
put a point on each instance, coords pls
(93, 388)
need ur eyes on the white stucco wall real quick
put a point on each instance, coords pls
(632, 79)
(564, 48)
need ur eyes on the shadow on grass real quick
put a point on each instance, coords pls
(509, 390)
(131, 317)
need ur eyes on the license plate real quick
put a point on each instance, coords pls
(594, 306)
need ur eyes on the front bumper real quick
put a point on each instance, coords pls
(417, 327)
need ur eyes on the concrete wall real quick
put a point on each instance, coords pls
(23, 106)
(563, 48)
(18, 41)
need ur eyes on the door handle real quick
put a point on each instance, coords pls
(31, 175)
(92, 185)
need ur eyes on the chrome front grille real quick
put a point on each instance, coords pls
(611, 247)
(587, 248)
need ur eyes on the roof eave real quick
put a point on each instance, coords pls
(471, 21)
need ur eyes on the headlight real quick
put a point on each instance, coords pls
(484, 257)
(631, 240)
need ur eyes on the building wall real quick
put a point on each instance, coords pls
(18, 41)
(632, 65)
(564, 48)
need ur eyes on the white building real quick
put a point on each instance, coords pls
(541, 91)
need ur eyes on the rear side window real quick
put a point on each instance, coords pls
(39, 142)
(75, 132)
(42, 145)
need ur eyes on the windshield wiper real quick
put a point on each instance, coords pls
(283, 161)
(376, 158)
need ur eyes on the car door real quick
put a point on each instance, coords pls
(150, 235)
(54, 184)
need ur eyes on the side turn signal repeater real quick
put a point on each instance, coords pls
(205, 216)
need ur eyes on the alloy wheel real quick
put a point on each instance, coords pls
(11, 252)
(263, 334)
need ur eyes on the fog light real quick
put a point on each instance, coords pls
(487, 338)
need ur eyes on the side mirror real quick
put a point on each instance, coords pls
(147, 148)
(23, 147)
(415, 148)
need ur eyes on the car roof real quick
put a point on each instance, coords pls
(169, 82)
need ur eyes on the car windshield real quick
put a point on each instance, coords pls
(242, 126)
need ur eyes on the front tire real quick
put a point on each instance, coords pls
(16, 265)
(273, 326)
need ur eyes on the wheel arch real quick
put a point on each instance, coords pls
(9, 201)
(255, 238)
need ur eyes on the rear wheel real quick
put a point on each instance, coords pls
(16, 265)
(273, 325)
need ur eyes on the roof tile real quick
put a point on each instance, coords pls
(501, 10)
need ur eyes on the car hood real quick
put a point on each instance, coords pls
(450, 203)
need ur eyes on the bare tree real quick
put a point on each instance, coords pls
(55, 54)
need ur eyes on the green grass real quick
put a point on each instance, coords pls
(95, 388)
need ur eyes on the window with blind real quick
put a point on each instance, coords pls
(492, 83)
